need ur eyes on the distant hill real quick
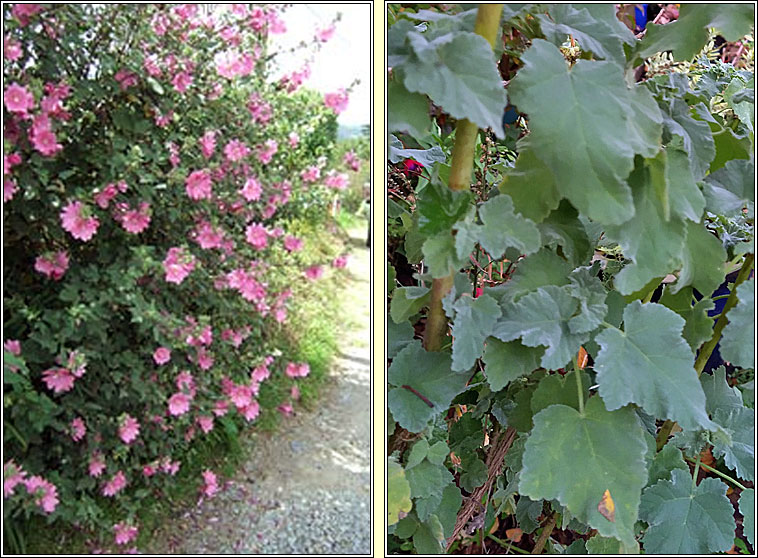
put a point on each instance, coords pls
(351, 131)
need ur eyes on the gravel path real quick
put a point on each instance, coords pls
(305, 489)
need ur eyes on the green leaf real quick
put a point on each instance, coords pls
(398, 492)
(425, 507)
(747, 509)
(474, 320)
(605, 545)
(417, 454)
(665, 461)
(505, 362)
(718, 393)
(687, 521)
(408, 301)
(408, 112)
(589, 290)
(426, 479)
(594, 26)
(398, 336)
(698, 326)
(576, 117)
(503, 228)
(426, 157)
(738, 337)
(441, 255)
(531, 185)
(654, 244)
(738, 450)
(542, 318)
(687, 201)
(407, 526)
(458, 72)
(650, 364)
(703, 257)
(562, 228)
(527, 512)
(437, 453)
(439, 208)
(538, 270)
(474, 472)
(431, 376)
(449, 507)
(730, 188)
(686, 36)
(429, 537)
(587, 455)
(559, 390)
(697, 139)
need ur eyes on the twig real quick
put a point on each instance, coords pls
(545, 535)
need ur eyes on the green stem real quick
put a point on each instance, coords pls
(719, 473)
(487, 25)
(545, 535)
(579, 391)
(694, 474)
(707, 349)
(507, 545)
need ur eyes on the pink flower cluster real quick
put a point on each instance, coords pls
(297, 369)
(294, 139)
(208, 143)
(247, 285)
(292, 82)
(104, 197)
(208, 236)
(260, 110)
(18, 99)
(179, 403)
(236, 150)
(336, 101)
(199, 185)
(313, 272)
(77, 220)
(178, 265)
(23, 12)
(61, 379)
(352, 161)
(78, 429)
(324, 34)
(52, 264)
(311, 174)
(128, 429)
(44, 492)
(335, 180)
(340, 261)
(133, 220)
(124, 533)
(115, 485)
(267, 151)
(292, 244)
(257, 236)
(252, 190)
(11, 48)
(162, 355)
(125, 79)
(181, 81)
(211, 483)
(231, 63)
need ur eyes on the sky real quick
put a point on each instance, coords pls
(345, 57)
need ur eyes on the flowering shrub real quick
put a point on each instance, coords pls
(151, 169)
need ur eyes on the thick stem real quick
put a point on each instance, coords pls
(707, 349)
(579, 390)
(545, 535)
(487, 25)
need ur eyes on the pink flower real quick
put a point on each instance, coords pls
(78, 429)
(178, 265)
(115, 485)
(209, 237)
(52, 264)
(236, 150)
(179, 403)
(325, 34)
(170, 467)
(352, 161)
(257, 236)
(149, 470)
(9, 189)
(125, 79)
(311, 174)
(10, 161)
(109, 192)
(11, 48)
(150, 63)
(135, 220)
(231, 63)
(294, 80)
(18, 99)
(292, 244)
(186, 383)
(162, 355)
(251, 411)
(336, 101)
(336, 181)
(76, 220)
(46, 142)
(205, 423)
(260, 110)
(294, 139)
(96, 464)
(295, 393)
(59, 380)
(314, 272)
(340, 261)
(182, 81)
(252, 189)
(297, 369)
(13, 346)
(162, 120)
(211, 483)
(199, 185)
(45, 492)
(173, 156)
(125, 533)
(285, 409)
(208, 143)
(13, 475)
(267, 151)
(22, 12)
(221, 408)
(128, 429)
(204, 359)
